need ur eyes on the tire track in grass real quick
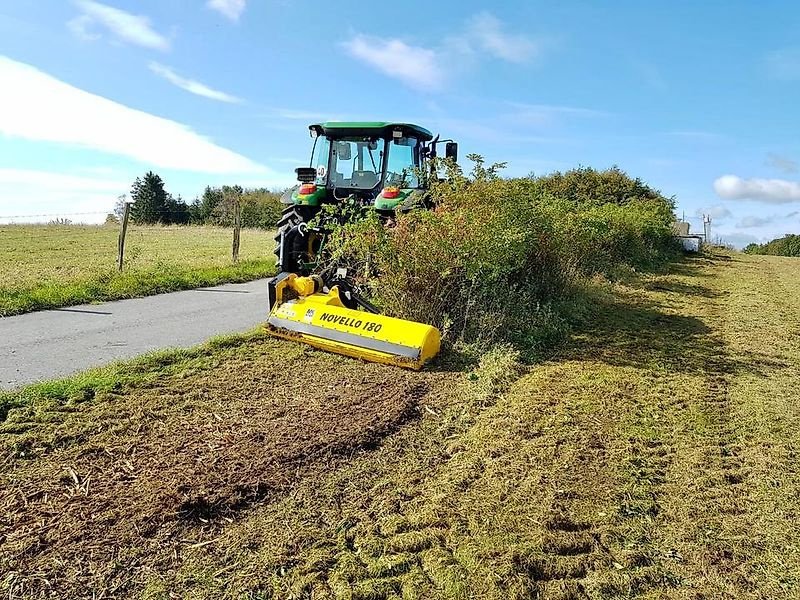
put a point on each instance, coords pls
(124, 485)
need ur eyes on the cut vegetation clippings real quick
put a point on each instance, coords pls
(653, 458)
(98, 494)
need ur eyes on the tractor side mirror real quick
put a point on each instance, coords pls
(306, 174)
(451, 151)
(343, 151)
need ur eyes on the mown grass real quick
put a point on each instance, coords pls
(654, 456)
(84, 386)
(48, 266)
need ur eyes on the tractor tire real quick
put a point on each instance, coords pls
(293, 246)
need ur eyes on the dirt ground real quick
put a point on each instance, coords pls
(653, 457)
(107, 491)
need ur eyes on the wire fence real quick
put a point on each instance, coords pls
(68, 244)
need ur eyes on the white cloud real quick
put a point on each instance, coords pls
(414, 65)
(194, 87)
(487, 32)
(545, 114)
(36, 106)
(739, 239)
(771, 191)
(697, 136)
(650, 74)
(717, 212)
(782, 163)
(784, 64)
(751, 221)
(59, 181)
(429, 67)
(125, 26)
(230, 9)
(80, 28)
(52, 192)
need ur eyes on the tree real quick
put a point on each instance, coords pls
(208, 202)
(119, 206)
(229, 195)
(150, 200)
(177, 211)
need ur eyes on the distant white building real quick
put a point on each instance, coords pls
(691, 243)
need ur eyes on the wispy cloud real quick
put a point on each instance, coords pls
(301, 115)
(770, 191)
(650, 74)
(784, 64)
(56, 194)
(739, 239)
(191, 86)
(544, 114)
(230, 9)
(489, 34)
(415, 66)
(751, 221)
(124, 26)
(429, 67)
(782, 163)
(696, 135)
(717, 212)
(37, 106)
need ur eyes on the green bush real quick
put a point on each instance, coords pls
(260, 208)
(495, 258)
(788, 245)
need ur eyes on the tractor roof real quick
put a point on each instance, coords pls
(370, 128)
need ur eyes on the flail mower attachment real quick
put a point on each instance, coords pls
(300, 310)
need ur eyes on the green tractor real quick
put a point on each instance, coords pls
(377, 166)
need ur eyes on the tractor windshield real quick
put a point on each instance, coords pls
(357, 162)
(402, 166)
(319, 159)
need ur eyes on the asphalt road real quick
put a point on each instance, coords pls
(54, 343)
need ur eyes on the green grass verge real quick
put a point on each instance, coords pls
(44, 266)
(84, 386)
(111, 285)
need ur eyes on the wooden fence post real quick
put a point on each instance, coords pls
(122, 234)
(237, 227)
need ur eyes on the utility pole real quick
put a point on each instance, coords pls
(707, 228)
(123, 232)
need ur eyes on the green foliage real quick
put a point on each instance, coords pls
(152, 203)
(497, 259)
(788, 245)
(150, 199)
(588, 186)
(260, 207)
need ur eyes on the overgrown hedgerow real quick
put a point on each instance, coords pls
(496, 259)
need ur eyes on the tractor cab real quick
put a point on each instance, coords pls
(382, 164)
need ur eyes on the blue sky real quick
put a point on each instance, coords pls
(698, 99)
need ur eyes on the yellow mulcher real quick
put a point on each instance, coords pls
(376, 166)
(302, 311)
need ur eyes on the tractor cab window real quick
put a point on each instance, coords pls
(319, 159)
(401, 169)
(356, 163)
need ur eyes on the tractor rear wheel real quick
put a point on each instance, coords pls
(294, 246)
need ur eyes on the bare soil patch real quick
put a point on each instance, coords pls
(102, 493)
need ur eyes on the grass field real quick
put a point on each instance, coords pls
(653, 457)
(46, 266)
